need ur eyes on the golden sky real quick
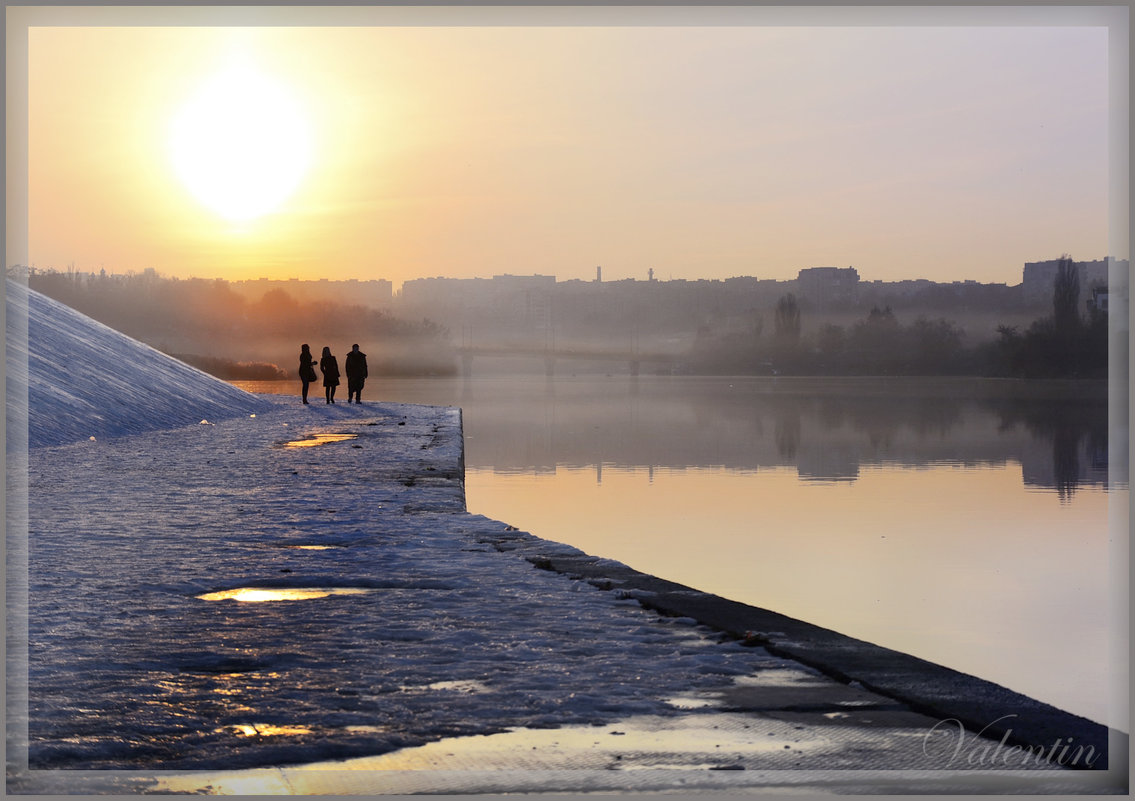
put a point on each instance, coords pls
(435, 146)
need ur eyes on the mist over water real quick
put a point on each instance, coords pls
(964, 521)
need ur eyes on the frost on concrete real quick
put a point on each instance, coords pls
(131, 534)
(432, 629)
(85, 380)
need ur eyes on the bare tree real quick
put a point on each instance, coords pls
(1066, 295)
(787, 319)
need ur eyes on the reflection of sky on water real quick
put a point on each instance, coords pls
(960, 565)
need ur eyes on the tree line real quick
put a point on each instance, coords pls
(1067, 343)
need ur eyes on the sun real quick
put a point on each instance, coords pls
(241, 144)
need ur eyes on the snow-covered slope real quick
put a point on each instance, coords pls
(86, 380)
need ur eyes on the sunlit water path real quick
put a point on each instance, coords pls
(975, 524)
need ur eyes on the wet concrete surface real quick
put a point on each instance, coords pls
(844, 717)
(815, 730)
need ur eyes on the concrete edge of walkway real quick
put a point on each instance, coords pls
(960, 700)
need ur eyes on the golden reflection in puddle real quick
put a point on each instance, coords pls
(263, 730)
(691, 742)
(318, 439)
(259, 594)
(313, 547)
(263, 781)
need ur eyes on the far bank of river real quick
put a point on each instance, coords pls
(971, 523)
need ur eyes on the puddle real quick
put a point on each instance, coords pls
(261, 594)
(469, 686)
(688, 743)
(456, 686)
(782, 677)
(276, 730)
(692, 744)
(263, 730)
(692, 702)
(319, 439)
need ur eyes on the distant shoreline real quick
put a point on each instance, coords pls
(992, 386)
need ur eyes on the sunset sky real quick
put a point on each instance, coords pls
(434, 146)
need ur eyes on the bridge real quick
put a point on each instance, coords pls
(634, 359)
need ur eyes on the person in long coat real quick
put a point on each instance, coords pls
(356, 367)
(329, 366)
(307, 368)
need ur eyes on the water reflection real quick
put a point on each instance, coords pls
(263, 730)
(826, 430)
(1078, 441)
(787, 436)
(319, 439)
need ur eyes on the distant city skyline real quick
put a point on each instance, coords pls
(1099, 269)
(697, 143)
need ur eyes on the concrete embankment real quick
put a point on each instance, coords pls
(996, 712)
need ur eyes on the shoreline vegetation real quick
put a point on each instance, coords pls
(210, 326)
(1067, 343)
(232, 370)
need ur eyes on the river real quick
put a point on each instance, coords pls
(979, 524)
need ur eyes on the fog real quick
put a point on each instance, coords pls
(825, 323)
(206, 322)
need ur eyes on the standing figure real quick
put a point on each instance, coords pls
(356, 367)
(307, 370)
(330, 369)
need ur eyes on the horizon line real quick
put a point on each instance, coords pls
(26, 269)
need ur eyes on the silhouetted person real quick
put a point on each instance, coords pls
(356, 366)
(330, 369)
(307, 370)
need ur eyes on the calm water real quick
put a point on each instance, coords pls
(976, 524)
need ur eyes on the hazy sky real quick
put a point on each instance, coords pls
(943, 152)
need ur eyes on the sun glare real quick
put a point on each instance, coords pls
(241, 144)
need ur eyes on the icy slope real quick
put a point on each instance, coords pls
(87, 380)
